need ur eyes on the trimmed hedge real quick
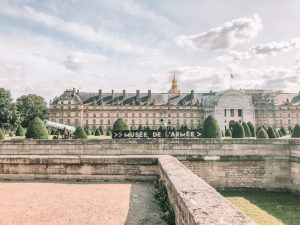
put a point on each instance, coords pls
(276, 132)
(238, 130)
(97, 132)
(101, 129)
(280, 134)
(228, 133)
(283, 131)
(80, 133)
(20, 132)
(271, 133)
(211, 128)
(296, 131)
(252, 129)
(261, 133)
(37, 129)
(247, 130)
(120, 124)
(87, 131)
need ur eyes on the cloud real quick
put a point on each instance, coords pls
(233, 57)
(229, 34)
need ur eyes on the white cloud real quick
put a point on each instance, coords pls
(233, 57)
(229, 34)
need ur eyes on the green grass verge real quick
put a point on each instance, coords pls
(266, 207)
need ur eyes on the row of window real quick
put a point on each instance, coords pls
(233, 113)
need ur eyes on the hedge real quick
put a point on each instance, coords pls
(238, 130)
(271, 133)
(120, 124)
(20, 132)
(261, 133)
(247, 130)
(283, 131)
(37, 129)
(228, 133)
(211, 128)
(97, 132)
(80, 133)
(296, 131)
(252, 129)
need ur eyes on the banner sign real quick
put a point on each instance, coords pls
(156, 134)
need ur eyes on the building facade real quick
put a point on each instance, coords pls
(261, 107)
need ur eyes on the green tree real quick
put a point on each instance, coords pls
(211, 128)
(238, 130)
(120, 124)
(31, 106)
(296, 131)
(283, 131)
(228, 133)
(20, 131)
(97, 132)
(271, 133)
(37, 129)
(101, 129)
(252, 129)
(9, 116)
(261, 133)
(247, 130)
(2, 135)
(80, 133)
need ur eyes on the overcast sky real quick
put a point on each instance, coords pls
(49, 46)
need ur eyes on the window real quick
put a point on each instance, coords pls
(76, 121)
(225, 112)
(232, 112)
(133, 122)
(94, 115)
(86, 122)
(69, 121)
(94, 122)
(101, 122)
(240, 113)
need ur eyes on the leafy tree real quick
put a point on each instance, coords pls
(296, 131)
(246, 129)
(101, 129)
(252, 129)
(2, 135)
(271, 133)
(97, 132)
(238, 130)
(211, 128)
(261, 133)
(80, 133)
(9, 116)
(283, 131)
(121, 124)
(20, 131)
(228, 133)
(37, 129)
(31, 106)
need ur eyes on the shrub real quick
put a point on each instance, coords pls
(108, 133)
(252, 129)
(211, 128)
(228, 133)
(271, 133)
(247, 130)
(238, 130)
(87, 131)
(3, 130)
(261, 133)
(296, 131)
(97, 132)
(20, 131)
(140, 128)
(120, 124)
(101, 129)
(80, 133)
(276, 133)
(290, 129)
(283, 131)
(2, 136)
(37, 129)
(280, 134)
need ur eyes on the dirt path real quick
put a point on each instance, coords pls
(77, 203)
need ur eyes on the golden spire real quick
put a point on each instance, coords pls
(175, 89)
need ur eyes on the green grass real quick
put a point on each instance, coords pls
(267, 207)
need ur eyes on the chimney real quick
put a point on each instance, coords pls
(192, 93)
(124, 94)
(137, 94)
(77, 93)
(112, 94)
(100, 94)
(149, 94)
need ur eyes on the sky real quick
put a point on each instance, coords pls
(49, 46)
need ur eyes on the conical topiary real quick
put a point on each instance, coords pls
(252, 129)
(271, 133)
(140, 127)
(120, 124)
(246, 129)
(97, 132)
(211, 128)
(37, 129)
(283, 131)
(296, 131)
(87, 131)
(238, 130)
(2, 136)
(80, 133)
(261, 133)
(20, 131)
(276, 133)
(228, 133)
(101, 129)
(280, 134)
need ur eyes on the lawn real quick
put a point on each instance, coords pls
(266, 207)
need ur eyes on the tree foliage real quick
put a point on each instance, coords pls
(37, 129)
(80, 133)
(211, 128)
(31, 106)
(97, 132)
(20, 131)
(252, 129)
(120, 124)
(101, 129)
(296, 131)
(261, 133)
(238, 130)
(283, 131)
(271, 133)
(247, 130)
(228, 133)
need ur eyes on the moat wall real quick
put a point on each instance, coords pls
(229, 163)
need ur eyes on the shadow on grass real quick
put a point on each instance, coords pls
(282, 205)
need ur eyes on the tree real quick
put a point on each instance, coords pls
(80, 133)
(97, 132)
(280, 134)
(101, 129)
(31, 106)
(228, 133)
(120, 124)
(247, 130)
(37, 129)
(9, 116)
(238, 130)
(2, 135)
(20, 131)
(283, 131)
(261, 133)
(140, 128)
(271, 133)
(252, 129)
(296, 131)
(211, 128)
(108, 132)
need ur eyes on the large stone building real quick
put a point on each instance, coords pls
(261, 107)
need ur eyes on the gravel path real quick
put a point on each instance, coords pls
(78, 204)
